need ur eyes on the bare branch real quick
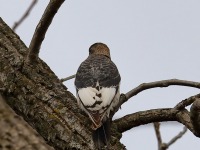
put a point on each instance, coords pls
(164, 146)
(144, 117)
(173, 140)
(158, 135)
(154, 115)
(41, 29)
(163, 83)
(167, 114)
(186, 102)
(68, 78)
(195, 115)
(25, 15)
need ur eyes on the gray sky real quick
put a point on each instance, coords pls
(149, 41)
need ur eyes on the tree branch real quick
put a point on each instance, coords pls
(16, 24)
(163, 83)
(41, 29)
(158, 135)
(174, 139)
(68, 78)
(186, 102)
(195, 115)
(164, 146)
(158, 115)
(145, 86)
(144, 117)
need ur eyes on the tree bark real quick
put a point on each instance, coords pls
(35, 93)
(16, 134)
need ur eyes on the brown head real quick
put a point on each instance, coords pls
(99, 48)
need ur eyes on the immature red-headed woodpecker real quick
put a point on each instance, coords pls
(97, 84)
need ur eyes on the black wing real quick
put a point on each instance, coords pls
(97, 68)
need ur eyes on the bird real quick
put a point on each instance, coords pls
(97, 84)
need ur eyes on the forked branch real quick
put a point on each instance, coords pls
(41, 29)
(165, 146)
(178, 136)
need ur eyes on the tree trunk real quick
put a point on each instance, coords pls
(34, 92)
(16, 134)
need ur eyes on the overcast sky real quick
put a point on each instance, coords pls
(150, 40)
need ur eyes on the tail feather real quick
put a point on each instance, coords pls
(102, 136)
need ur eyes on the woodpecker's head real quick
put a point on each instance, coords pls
(99, 49)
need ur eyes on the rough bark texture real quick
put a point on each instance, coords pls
(16, 134)
(34, 92)
(195, 116)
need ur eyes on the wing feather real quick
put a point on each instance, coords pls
(97, 83)
(95, 100)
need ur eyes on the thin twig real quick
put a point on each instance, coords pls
(68, 78)
(173, 140)
(158, 135)
(164, 146)
(25, 15)
(41, 29)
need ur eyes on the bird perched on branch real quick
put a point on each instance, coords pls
(97, 85)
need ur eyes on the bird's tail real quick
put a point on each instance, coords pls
(101, 136)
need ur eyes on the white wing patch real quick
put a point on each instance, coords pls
(95, 100)
(86, 95)
(108, 95)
